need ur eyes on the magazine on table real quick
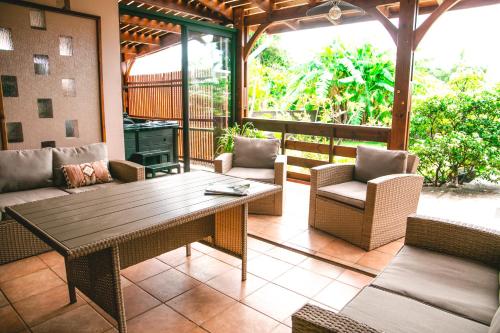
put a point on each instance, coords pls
(235, 190)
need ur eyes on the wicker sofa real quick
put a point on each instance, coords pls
(31, 175)
(445, 279)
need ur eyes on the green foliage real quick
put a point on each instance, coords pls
(457, 137)
(225, 142)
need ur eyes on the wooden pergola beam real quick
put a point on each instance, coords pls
(249, 45)
(151, 24)
(188, 7)
(139, 38)
(377, 14)
(218, 7)
(265, 5)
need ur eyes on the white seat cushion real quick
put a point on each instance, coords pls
(262, 175)
(20, 197)
(352, 193)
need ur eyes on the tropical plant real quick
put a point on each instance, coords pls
(225, 142)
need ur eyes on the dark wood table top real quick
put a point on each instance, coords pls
(82, 223)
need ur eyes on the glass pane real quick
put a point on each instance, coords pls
(15, 132)
(9, 86)
(209, 64)
(69, 87)
(66, 46)
(41, 63)
(37, 19)
(72, 129)
(45, 108)
(45, 144)
(6, 39)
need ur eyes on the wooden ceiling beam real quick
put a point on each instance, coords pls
(218, 7)
(317, 22)
(150, 24)
(382, 17)
(265, 5)
(192, 8)
(139, 38)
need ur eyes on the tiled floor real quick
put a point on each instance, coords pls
(172, 293)
(291, 229)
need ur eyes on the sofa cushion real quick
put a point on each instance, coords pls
(352, 193)
(465, 287)
(25, 169)
(495, 323)
(76, 155)
(255, 153)
(394, 313)
(372, 163)
(86, 174)
(91, 188)
(262, 175)
(20, 197)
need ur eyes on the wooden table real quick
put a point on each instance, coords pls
(102, 231)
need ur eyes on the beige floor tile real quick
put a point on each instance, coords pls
(227, 258)
(322, 267)
(375, 259)
(275, 301)
(230, 284)
(242, 319)
(343, 250)
(178, 256)
(168, 285)
(303, 281)
(204, 268)
(41, 307)
(161, 319)
(355, 279)
(202, 248)
(258, 245)
(52, 258)
(20, 268)
(31, 284)
(144, 270)
(336, 295)
(201, 303)
(82, 319)
(285, 255)
(10, 321)
(267, 267)
(137, 301)
(282, 329)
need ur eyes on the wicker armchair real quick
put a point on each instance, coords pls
(272, 205)
(374, 214)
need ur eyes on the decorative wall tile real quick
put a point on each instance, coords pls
(46, 144)
(15, 132)
(6, 42)
(37, 19)
(41, 63)
(9, 86)
(66, 46)
(45, 108)
(69, 87)
(72, 129)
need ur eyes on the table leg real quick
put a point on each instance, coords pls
(71, 286)
(244, 216)
(188, 250)
(120, 308)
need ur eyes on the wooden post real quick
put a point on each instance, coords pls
(185, 100)
(241, 68)
(404, 72)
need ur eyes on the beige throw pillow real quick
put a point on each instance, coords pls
(255, 153)
(372, 163)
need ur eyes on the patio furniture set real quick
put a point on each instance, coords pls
(444, 279)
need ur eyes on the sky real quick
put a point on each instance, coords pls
(473, 32)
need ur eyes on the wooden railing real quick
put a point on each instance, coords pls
(330, 133)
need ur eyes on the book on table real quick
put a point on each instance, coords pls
(235, 190)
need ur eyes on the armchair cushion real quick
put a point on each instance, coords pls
(255, 153)
(372, 163)
(25, 169)
(352, 193)
(20, 197)
(495, 323)
(465, 287)
(262, 175)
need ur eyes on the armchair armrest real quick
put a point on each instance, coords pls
(330, 174)
(454, 238)
(223, 163)
(127, 171)
(312, 318)
(280, 170)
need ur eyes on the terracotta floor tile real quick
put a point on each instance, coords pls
(242, 319)
(198, 329)
(168, 285)
(227, 258)
(323, 306)
(82, 319)
(31, 284)
(124, 282)
(288, 256)
(161, 319)
(322, 267)
(20, 268)
(204, 268)
(279, 232)
(374, 259)
(60, 271)
(202, 248)
(343, 250)
(275, 301)
(144, 270)
(201, 303)
(312, 239)
(178, 256)
(355, 279)
(303, 281)
(41, 307)
(52, 258)
(3, 300)
(267, 267)
(230, 284)
(258, 245)
(10, 321)
(282, 329)
(391, 248)
(137, 301)
(336, 295)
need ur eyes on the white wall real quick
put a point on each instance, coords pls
(110, 39)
